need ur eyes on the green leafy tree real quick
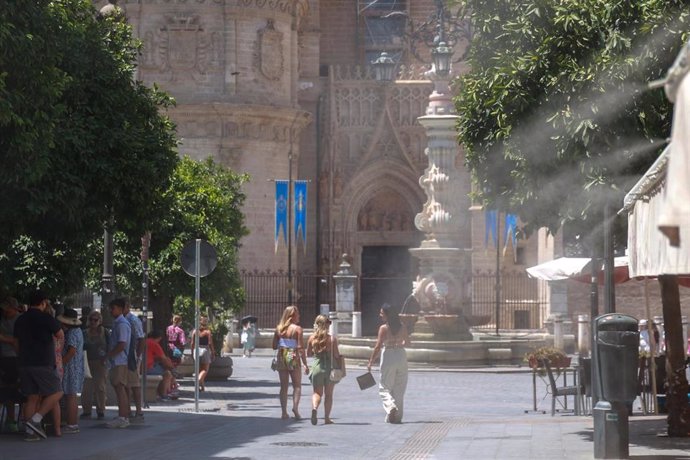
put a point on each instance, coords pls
(555, 119)
(82, 142)
(204, 200)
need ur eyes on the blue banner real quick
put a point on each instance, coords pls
(281, 211)
(490, 226)
(510, 234)
(300, 205)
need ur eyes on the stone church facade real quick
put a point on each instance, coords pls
(261, 84)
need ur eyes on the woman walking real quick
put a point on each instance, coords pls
(206, 350)
(393, 339)
(96, 346)
(287, 340)
(324, 348)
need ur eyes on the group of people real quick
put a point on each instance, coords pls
(50, 357)
(291, 359)
(53, 357)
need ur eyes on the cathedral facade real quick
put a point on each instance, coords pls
(272, 87)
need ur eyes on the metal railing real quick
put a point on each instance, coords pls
(522, 300)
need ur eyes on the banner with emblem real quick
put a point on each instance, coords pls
(281, 203)
(300, 206)
(510, 234)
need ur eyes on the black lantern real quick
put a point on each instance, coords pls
(442, 56)
(384, 66)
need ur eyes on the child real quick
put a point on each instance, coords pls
(248, 339)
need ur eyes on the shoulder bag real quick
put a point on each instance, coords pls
(338, 371)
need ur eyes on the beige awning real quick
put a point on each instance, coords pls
(649, 251)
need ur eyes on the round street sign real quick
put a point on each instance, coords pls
(207, 258)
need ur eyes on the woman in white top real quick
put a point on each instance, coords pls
(287, 340)
(393, 339)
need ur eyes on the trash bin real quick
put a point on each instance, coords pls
(616, 345)
(616, 342)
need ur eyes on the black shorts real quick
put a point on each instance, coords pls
(39, 380)
(9, 373)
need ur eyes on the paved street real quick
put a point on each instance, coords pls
(478, 414)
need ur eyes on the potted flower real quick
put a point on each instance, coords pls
(556, 357)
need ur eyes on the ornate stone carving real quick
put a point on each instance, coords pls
(183, 47)
(270, 52)
(386, 212)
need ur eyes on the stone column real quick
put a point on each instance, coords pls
(345, 281)
(443, 282)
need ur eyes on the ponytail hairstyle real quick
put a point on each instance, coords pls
(392, 318)
(320, 334)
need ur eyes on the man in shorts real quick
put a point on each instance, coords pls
(136, 349)
(118, 348)
(35, 332)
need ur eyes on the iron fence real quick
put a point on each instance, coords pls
(522, 300)
(266, 295)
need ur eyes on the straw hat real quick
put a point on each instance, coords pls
(69, 317)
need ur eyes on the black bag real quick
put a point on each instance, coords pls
(366, 381)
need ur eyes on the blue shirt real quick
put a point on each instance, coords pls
(121, 333)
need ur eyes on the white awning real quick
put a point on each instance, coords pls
(649, 251)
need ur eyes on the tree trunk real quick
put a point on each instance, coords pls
(677, 393)
(161, 306)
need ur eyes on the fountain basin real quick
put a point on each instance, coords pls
(483, 350)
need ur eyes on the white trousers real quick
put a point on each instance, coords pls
(393, 379)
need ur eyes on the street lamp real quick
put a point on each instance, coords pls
(442, 56)
(383, 66)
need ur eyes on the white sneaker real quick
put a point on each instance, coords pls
(119, 422)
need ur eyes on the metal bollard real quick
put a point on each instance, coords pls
(356, 324)
(584, 339)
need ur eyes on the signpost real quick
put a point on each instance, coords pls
(198, 259)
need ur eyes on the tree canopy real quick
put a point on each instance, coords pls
(554, 113)
(81, 142)
(204, 200)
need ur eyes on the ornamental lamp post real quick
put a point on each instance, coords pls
(444, 276)
(442, 56)
(383, 66)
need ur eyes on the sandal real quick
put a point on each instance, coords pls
(314, 419)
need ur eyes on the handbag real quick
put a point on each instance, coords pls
(365, 381)
(274, 362)
(176, 352)
(337, 372)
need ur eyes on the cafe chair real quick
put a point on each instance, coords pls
(557, 392)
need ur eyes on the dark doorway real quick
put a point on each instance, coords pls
(386, 278)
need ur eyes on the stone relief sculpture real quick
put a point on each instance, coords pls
(270, 52)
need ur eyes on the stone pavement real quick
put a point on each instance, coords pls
(449, 414)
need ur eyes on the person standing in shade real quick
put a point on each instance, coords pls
(206, 350)
(287, 339)
(39, 382)
(10, 311)
(96, 346)
(136, 350)
(118, 349)
(73, 364)
(324, 348)
(392, 339)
